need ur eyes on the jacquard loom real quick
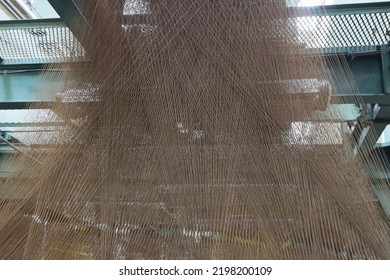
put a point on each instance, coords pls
(165, 129)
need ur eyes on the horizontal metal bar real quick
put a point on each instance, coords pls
(328, 10)
(20, 67)
(24, 105)
(381, 98)
(32, 23)
(343, 9)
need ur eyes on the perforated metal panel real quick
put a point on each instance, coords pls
(38, 42)
(343, 32)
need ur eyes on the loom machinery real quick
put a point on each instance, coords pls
(313, 90)
(33, 131)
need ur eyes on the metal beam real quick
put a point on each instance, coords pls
(74, 14)
(343, 9)
(365, 98)
(385, 59)
(32, 23)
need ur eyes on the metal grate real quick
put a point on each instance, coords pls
(38, 42)
(343, 32)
